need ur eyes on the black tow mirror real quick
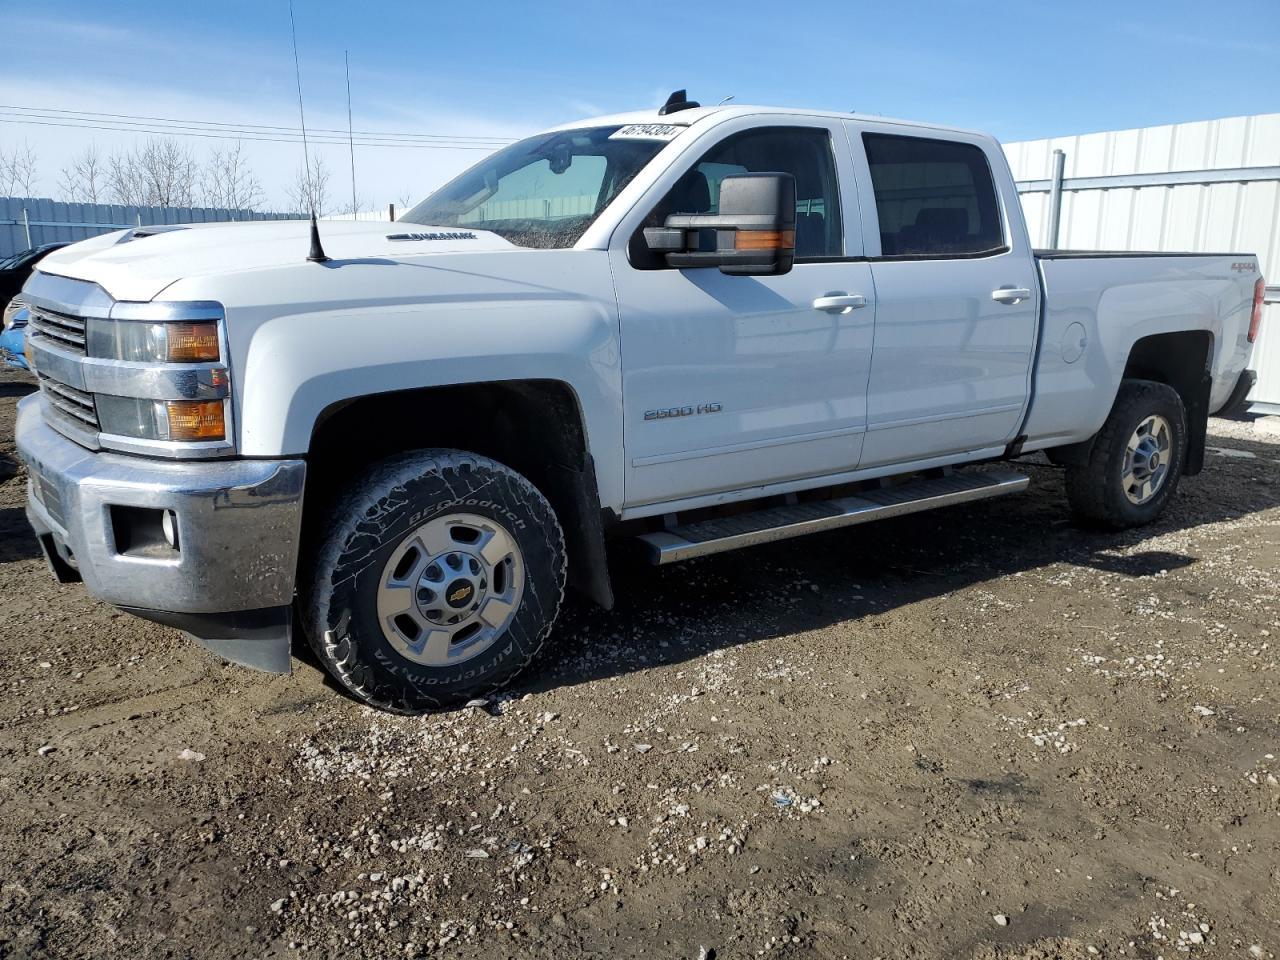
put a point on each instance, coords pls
(753, 234)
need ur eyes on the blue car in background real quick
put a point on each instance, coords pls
(14, 272)
(13, 338)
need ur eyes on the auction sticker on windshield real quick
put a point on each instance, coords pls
(647, 131)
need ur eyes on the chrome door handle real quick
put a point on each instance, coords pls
(840, 302)
(1011, 294)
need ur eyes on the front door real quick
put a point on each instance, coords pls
(956, 299)
(733, 382)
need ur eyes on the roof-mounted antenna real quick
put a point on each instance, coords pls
(351, 143)
(725, 100)
(677, 102)
(316, 254)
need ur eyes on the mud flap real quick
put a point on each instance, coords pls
(583, 530)
(1197, 406)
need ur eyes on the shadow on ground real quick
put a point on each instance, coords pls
(880, 567)
(673, 614)
(16, 540)
(17, 388)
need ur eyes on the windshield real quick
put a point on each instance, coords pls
(544, 191)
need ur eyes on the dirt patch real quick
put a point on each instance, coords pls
(979, 732)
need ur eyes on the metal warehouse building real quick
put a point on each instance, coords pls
(1207, 186)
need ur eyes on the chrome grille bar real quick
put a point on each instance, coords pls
(69, 400)
(65, 330)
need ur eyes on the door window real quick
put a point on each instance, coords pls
(934, 198)
(803, 152)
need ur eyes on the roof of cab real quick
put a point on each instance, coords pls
(693, 115)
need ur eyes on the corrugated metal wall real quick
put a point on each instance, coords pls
(52, 220)
(1228, 217)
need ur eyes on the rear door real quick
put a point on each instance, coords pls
(735, 382)
(956, 295)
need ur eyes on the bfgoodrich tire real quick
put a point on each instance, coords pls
(438, 578)
(1136, 459)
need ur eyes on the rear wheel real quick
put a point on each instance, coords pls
(1133, 467)
(438, 580)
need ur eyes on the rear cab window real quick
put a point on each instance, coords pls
(933, 198)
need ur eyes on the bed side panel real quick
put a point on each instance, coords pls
(1096, 308)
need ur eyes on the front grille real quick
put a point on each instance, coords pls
(70, 403)
(70, 410)
(61, 329)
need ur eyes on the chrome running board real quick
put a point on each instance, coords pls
(706, 537)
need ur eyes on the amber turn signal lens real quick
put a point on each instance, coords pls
(192, 342)
(764, 239)
(196, 420)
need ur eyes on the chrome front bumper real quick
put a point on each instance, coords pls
(230, 580)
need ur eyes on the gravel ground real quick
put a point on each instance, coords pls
(980, 732)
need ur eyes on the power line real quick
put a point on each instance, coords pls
(56, 113)
(237, 135)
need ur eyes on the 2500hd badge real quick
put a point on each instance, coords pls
(668, 413)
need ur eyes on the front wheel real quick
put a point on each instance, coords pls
(438, 578)
(1136, 459)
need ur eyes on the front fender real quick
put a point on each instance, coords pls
(306, 337)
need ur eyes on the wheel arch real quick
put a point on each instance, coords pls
(1182, 360)
(1179, 359)
(536, 427)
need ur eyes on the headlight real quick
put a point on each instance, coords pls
(190, 420)
(169, 342)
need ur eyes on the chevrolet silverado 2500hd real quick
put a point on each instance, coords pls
(696, 329)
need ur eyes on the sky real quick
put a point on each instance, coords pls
(498, 69)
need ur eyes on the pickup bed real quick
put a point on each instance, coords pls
(690, 330)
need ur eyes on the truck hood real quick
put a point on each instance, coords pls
(138, 264)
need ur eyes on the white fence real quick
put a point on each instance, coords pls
(30, 221)
(365, 216)
(537, 208)
(1212, 186)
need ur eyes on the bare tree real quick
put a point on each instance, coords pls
(350, 210)
(18, 171)
(228, 181)
(84, 180)
(159, 173)
(310, 190)
(403, 199)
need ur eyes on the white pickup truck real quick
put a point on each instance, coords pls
(692, 328)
